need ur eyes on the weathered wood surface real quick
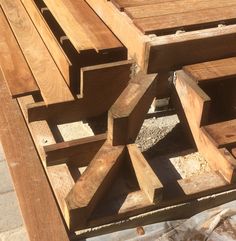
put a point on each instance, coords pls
(49, 79)
(105, 79)
(34, 193)
(16, 72)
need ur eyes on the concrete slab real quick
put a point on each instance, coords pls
(6, 182)
(10, 214)
(18, 234)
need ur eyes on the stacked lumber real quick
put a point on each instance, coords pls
(61, 68)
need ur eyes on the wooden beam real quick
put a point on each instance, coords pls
(128, 112)
(187, 20)
(172, 52)
(105, 79)
(147, 179)
(192, 97)
(127, 32)
(49, 79)
(223, 134)
(16, 72)
(82, 150)
(33, 190)
(63, 63)
(205, 72)
(92, 185)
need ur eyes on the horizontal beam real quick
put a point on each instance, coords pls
(82, 150)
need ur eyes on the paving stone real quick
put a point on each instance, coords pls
(2, 158)
(9, 210)
(6, 182)
(18, 234)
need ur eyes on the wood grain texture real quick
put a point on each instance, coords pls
(174, 7)
(121, 4)
(49, 39)
(191, 98)
(172, 52)
(34, 193)
(59, 176)
(212, 70)
(130, 109)
(147, 179)
(223, 134)
(83, 150)
(82, 26)
(50, 81)
(105, 79)
(126, 31)
(93, 184)
(16, 72)
(170, 23)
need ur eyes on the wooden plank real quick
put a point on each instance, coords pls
(93, 184)
(105, 79)
(174, 7)
(170, 23)
(191, 98)
(16, 72)
(52, 85)
(49, 39)
(213, 70)
(175, 51)
(122, 4)
(138, 203)
(126, 31)
(223, 134)
(83, 150)
(34, 193)
(147, 179)
(234, 152)
(82, 26)
(130, 109)
(59, 176)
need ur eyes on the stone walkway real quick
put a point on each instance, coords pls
(11, 222)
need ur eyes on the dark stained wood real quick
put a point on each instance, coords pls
(93, 184)
(16, 72)
(147, 179)
(38, 206)
(83, 150)
(222, 134)
(130, 109)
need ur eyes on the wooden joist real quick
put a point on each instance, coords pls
(105, 79)
(33, 190)
(62, 61)
(49, 79)
(147, 179)
(13, 64)
(223, 133)
(212, 140)
(93, 184)
(129, 110)
(62, 152)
